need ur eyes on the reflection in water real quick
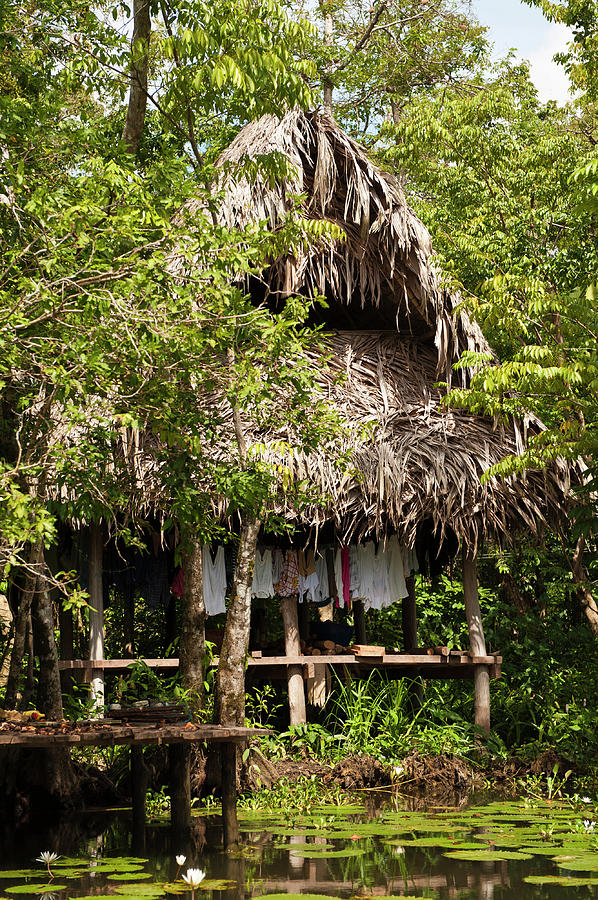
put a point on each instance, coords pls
(328, 852)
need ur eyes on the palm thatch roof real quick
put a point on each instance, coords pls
(393, 333)
(385, 263)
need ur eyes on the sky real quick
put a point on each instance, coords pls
(514, 25)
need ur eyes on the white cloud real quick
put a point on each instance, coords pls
(549, 77)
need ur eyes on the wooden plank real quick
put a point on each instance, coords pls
(368, 650)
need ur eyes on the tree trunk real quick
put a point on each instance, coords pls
(193, 621)
(586, 599)
(138, 75)
(230, 686)
(477, 641)
(21, 624)
(49, 692)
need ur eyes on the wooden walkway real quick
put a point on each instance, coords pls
(449, 664)
(178, 737)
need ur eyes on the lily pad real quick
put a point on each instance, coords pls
(543, 850)
(579, 864)
(331, 854)
(139, 890)
(21, 873)
(36, 888)
(478, 855)
(441, 842)
(217, 884)
(320, 847)
(560, 880)
(297, 897)
(129, 876)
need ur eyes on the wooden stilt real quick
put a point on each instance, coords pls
(409, 617)
(410, 640)
(229, 795)
(96, 614)
(304, 621)
(180, 789)
(138, 795)
(288, 607)
(359, 620)
(477, 641)
(67, 648)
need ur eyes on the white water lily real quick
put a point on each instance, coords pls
(181, 860)
(588, 825)
(47, 857)
(194, 877)
(585, 799)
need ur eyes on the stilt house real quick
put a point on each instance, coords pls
(394, 334)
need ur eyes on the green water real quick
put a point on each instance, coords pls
(497, 851)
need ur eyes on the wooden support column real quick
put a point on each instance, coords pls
(359, 621)
(410, 641)
(179, 763)
(229, 795)
(288, 608)
(477, 641)
(409, 617)
(96, 614)
(138, 795)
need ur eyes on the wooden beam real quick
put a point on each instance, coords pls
(138, 771)
(288, 607)
(96, 614)
(359, 621)
(477, 641)
(229, 795)
(179, 764)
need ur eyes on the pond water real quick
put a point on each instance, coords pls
(496, 851)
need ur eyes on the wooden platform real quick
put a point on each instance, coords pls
(100, 733)
(103, 734)
(450, 664)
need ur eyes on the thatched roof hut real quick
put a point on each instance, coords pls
(394, 333)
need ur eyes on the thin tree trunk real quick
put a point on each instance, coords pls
(230, 692)
(49, 691)
(139, 75)
(21, 623)
(193, 621)
(586, 599)
(477, 641)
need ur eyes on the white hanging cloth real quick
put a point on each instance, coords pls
(214, 581)
(396, 569)
(262, 585)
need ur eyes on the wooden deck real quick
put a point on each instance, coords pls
(100, 733)
(449, 664)
(103, 734)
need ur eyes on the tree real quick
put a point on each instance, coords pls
(504, 182)
(100, 334)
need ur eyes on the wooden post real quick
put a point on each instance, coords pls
(229, 794)
(359, 621)
(409, 617)
(288, 607)
(179, 763)
(67, 646)
(410, 641)
(477, 642)
(138, 794)
(96, 614)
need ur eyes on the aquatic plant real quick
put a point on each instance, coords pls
(47, 857)
(194, 877)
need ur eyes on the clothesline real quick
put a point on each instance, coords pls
(376, 576)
